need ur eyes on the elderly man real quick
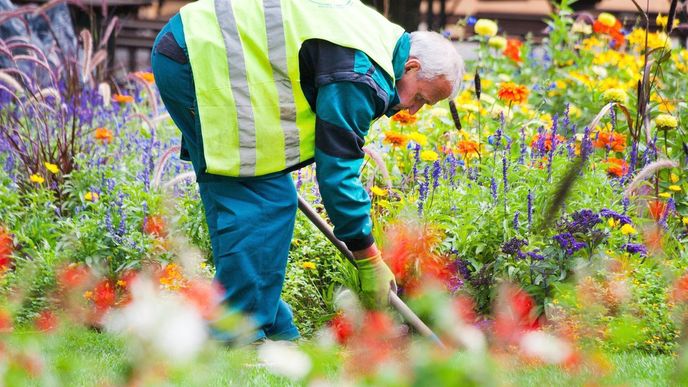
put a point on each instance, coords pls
(260, 88)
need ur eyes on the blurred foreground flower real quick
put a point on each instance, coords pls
(160, 324)
(285, 359)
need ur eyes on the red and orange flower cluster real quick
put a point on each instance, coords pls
(612, 140)
(607, 24)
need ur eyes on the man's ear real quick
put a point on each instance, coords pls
(412, 64)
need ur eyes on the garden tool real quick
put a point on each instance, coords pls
(394, 300)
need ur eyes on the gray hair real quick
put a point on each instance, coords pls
(438, 57)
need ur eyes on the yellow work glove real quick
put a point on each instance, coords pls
(376, 281)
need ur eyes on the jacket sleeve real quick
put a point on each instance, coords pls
(344, 112)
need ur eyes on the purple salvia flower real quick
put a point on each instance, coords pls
(625, 202)
(416, 160)
(566, 121)
(505, 169)
(634, 158)
(586, 144)
(516, 224)
(524, 147)
(530, 208)
(436, 170)
(493, 188)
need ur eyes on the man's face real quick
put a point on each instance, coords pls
(415, 92)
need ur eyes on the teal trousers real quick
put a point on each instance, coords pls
(250, 221)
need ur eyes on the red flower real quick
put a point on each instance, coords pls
(104, 295)
(73, 276)
(205, 296)
(154, 225)
(515, 315)
(5, 322)
(680, 291)
(656, 208)
(341, 328)
(46, 321)
(6, 249)
(513, 50)
(617, 167)
(465, 308)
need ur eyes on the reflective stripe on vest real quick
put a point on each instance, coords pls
(254, 116)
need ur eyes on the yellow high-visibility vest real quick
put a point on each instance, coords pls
(244, 55)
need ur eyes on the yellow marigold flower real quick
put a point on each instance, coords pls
(613, 223)
(88, 294)
(52, 168)
(418, 138)
(428, 155)
(36, 178)
(674, 178)
(485, 27)
(308, 265)
(121, 283)
(662, 21)
(606, 19)
(627, 229)
(685, 220)
(665, 195)
(675, 188)
(498, 42)
(378, 191)
(614, 95)
(91, 196)
(666, 122)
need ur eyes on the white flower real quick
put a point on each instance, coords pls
(285, 359)
(546, 347)
(166, 323)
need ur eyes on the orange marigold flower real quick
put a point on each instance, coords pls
(512, 92)
(513, 50)
(121, 98)
(617, 167)
(612, 140)
(172, 277)
(403, 117)
(6, 249)
(154, 225)
(73, 276)
(103, 295)
(396, 139)
(535, 142)
(146, 76)
(104, 135)
(614, 32)
(467, 148)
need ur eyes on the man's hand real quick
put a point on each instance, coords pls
(376, 281)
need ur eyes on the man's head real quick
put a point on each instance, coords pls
(433, 72)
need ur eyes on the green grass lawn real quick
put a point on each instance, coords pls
(88, 358)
